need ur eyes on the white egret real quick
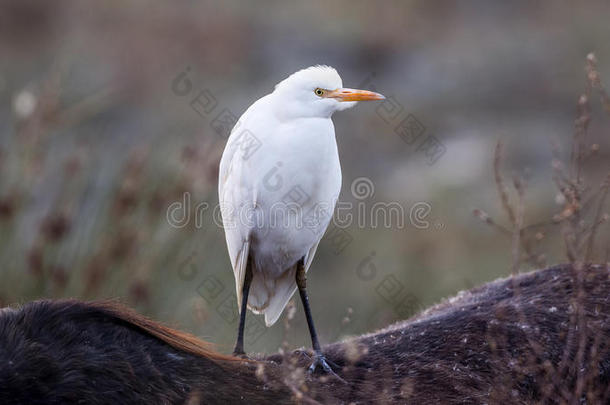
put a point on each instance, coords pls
(278, 184)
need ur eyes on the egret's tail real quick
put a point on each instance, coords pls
(270, 296)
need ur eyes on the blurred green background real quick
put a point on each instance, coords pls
(97, 142)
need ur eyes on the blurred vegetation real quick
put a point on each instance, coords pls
(96, 144)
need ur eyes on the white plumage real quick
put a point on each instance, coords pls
(279, 181)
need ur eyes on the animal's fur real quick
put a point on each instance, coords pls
(529, 339)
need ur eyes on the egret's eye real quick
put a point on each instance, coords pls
(319, 92)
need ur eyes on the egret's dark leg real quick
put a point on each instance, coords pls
(239, 344)
(319, 359)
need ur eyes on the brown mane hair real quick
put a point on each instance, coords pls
(177, 339)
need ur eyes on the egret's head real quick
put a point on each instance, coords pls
(318, 92)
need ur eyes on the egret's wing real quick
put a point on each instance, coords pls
(237, 181)
(226, 163)
(239, 271)
(233, 153)
(233, 194)
(285, 288)
(237, 235)
(310, 255)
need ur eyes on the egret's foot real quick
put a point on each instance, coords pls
(319, 360)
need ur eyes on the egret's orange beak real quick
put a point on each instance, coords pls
(354, 95)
